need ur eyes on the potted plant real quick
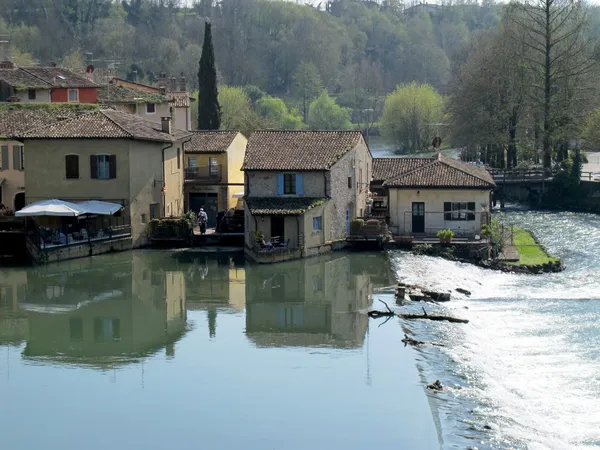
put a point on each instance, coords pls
(445, 236)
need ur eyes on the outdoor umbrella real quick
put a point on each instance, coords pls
(58, 208)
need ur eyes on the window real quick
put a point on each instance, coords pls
(350, 182)
(107, 329)
(73, 95)
(31, 94)
(154, 208)
(76, 328)
(150, 108)
(72, 166)
(178, 158)
(144, 219)
(289, 184)
(213, 167)
(459, 211)
(103, 167)
(4, 158)
(317, 223)
(317, 284)
(18, 157)
(192, 161)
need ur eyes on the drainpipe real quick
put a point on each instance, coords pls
(164, 207)
(298, 235)
(183, 168)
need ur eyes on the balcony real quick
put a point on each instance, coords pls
(204, 174)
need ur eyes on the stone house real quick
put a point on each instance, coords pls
(171, 99)
(421, 196)
(213, 171)
(44, 84)
(304, 188)
(16, 119)
(148, 104)
(111, 156)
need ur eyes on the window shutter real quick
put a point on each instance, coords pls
(4, 162)
(112, 166)
(471, 208)
(447, 211)
(16, 157)
(93, 166)
(279, 184)
(299, 185)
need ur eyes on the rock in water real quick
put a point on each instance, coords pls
(435, 386)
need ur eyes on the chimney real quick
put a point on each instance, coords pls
(172, 84)
(163, 80)
(166, 125)
(182, 83)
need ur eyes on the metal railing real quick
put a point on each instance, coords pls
(46, 239)
(210, 174)
(464, 223)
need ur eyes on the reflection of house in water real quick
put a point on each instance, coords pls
(13, 323)
(308, 303)
(213, 282)
(104, 314)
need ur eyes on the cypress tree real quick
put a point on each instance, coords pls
(209, 111)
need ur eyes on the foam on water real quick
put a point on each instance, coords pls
(524, 373)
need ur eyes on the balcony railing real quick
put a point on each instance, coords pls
(206, 174)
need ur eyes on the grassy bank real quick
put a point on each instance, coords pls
(531, 253)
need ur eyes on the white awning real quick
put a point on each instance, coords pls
(238, 195)
(99, 208)
(1, 181)
(50, 208)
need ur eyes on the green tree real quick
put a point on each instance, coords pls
(411, 115)
(325, 114)
(236, 111)
(591, 131)
(209, 111)
(307, 86)
(276, 114)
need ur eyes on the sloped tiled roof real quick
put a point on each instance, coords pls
(180, 99)
(210, 141)
(386, 168)
(122, 94)
(22, 78)
(106, 124)
(442, 172)
(282, 206)
(18, 118)
(298, 150)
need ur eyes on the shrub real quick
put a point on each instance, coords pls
(356, 226)
(493, 232)
(445, 236)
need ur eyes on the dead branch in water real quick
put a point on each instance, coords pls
(429, 317)
(377, 314)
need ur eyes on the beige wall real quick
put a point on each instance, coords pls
(138, 183)
(235, 159)
(400, 205)
(183, 118)
(14, 180)
(41, 95)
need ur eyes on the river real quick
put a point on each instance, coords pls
(525, 372)
(151, 349)
(155, 350)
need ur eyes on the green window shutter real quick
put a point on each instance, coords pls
(447, 210)
(4, 161)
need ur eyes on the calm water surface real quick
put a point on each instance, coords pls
(525, 372)
(157, 350)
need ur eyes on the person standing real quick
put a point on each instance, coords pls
(202, 220)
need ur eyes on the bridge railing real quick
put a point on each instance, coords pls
(530, 174)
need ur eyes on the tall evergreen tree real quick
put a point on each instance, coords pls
(209, 111)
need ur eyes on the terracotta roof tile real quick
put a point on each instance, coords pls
(442, 172)
(210, 141)
(180, 99)
(386, 168)
(22, 78)
(282, 206)
(18, 118)
(106, 124)
(122, 94)
(298, 150)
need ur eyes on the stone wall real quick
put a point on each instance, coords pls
(84, 250)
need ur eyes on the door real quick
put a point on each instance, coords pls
(348, 220)
(278, 228)
(19, 201)
(418, 217)
(210, 203)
